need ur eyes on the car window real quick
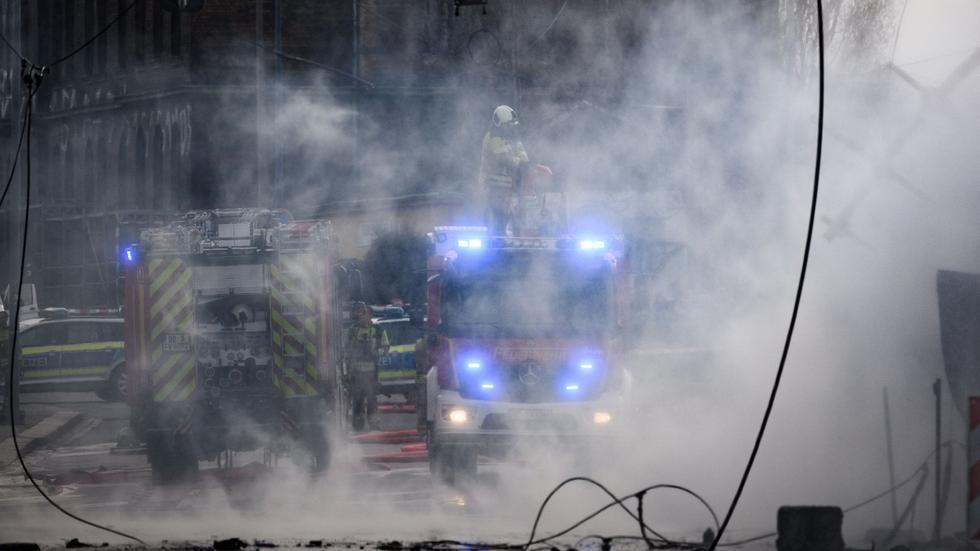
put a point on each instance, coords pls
(401, 333)
(110, 332)
(82, 332)
(43, 335)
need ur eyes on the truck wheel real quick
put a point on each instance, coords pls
(172, 458)
(452, 464)
(319, 450)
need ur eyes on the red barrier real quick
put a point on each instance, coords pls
(398, 457)
(396, 408)
(392, 437)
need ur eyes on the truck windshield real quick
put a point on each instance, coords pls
(529, 295)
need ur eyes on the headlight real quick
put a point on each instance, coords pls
(601, 417)
(456, 416)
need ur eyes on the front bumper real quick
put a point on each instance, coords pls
(496, 427)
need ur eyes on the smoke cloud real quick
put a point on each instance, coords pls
(690, 129)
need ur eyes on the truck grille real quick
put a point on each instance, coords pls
(529, 381)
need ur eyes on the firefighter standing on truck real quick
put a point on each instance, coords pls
(365, 345)
(501, 162)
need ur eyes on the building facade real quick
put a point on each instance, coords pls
(298, 104)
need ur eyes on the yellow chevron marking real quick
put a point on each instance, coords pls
(300, 381)
(159, 280)
(311, 371)
(186, 391)
(163, 392)
(155, 263)
(167, 320)
(291, 330)
(291, 351)
(179, 285)
(161, 372)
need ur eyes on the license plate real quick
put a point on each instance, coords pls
(531, 416)
(177, 342)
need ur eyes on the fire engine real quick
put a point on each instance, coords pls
(232, 338)
(522, 343)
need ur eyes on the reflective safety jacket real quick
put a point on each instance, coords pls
(364, 347)
(500, 161)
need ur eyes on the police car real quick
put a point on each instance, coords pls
(396, 372)
(73, 351)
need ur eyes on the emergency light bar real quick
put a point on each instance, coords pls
(471, 239)
(591, 245)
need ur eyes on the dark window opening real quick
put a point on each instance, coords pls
(91, 176)
(139, 52)
(69, 23)
(158, 30)
(122, 197)
(161, 192)
(68, 174)
(140, 181)
(89, 31)
(122, 45)
(43, 9)
(58, 14)
(175, 34)
(102, 44)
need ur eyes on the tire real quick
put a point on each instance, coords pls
(319, 449)
(411, 397)
(172, 458)
(452, 465)
(116, 389)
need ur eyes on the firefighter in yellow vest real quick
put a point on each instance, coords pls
(501, 162)
(365, 345)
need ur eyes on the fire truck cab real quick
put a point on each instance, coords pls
(232, 335)
(522, 344)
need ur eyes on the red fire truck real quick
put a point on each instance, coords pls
(523, 343)
(232, 338)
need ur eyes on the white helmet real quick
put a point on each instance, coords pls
(504, 116)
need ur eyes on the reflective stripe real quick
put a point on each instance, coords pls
(107, 345)
(400, 374)
(38, 373)
(401, 348)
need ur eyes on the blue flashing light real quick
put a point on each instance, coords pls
(129, 255)
(487, 386)
(473, 365)
(470, 243)
(573, 387)
(586, 366)
(591, 245)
